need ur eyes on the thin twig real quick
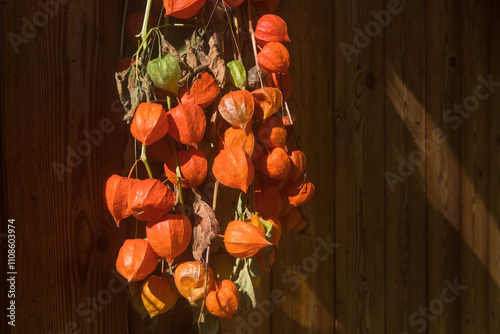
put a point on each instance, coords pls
(124, 22)
(252, 37)
(206, 288)
(232, 32)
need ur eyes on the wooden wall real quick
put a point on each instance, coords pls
(398, 245)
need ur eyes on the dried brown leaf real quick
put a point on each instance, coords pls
(205, 228)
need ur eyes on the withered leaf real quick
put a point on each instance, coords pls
(133, 94)
(205, 228)
(168, 49)
(217, 64)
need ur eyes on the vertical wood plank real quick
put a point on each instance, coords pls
(359, 183)
(301, 275)
(405, 201)
(443, 167)
(474, 161)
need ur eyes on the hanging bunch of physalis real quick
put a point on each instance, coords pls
(208, 111)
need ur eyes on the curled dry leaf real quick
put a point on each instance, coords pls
(271, 28)
(223, 302)
(150, 123)
(238, 138)
(268, 101)
(237, 108)
(182, 9)
(206, 227)
(297, 165)
(136, 260)
(233, 168)
(150, 199)
(268, 202)
(193, 165)
(292, 221)
(190, 280)
(116, 192)
(187, 123)
(299, 192)
(203, 92)
(169, 236)
(243, 239)
(276, 164)
(158, 295)
(272, 133)
(274, 58)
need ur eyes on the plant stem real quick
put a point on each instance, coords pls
(179, 177)
(252, 37)
(144, 160)
(124, 21)
(216, 192)
(206, 286)
(144, 30)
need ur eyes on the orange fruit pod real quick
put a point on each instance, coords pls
(276, 231)
(238, 138)
(193, 165)
(233, 168)
(243, 239)
(182, 9)
(274, 58)
(223, 302)
(136, 260)
(190, 280)
(285, 203)
(203, 92)
(284, 82)
(267, 6)
(297, 165)
(116, 192)
(169, 236)
(272, 133)
(187, 123)
(276, 164)
(237, 108)
(150, 199)
(149, 123)
(292, 221)
(271, 28)
(268, 101)
(299, 192)
(158, 295)
(268, 202)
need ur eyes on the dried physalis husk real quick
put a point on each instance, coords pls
(299, 192)
(268, 101)
(238, 138)
(275, 164)
(116, 192)
(149, 123)
(237, 108)
(187, 123)
(158, 295)
(233, 168)
(190, 280)
(243, 239)
(274, 58)
(193, 166)
(203, 91)
(150, 199)
(292, 221)
(268, 202)
(136, 260)
(297, 165)
(223, 302)
(182, 9)
(169, 236)
(271, 28)
(272, 133)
